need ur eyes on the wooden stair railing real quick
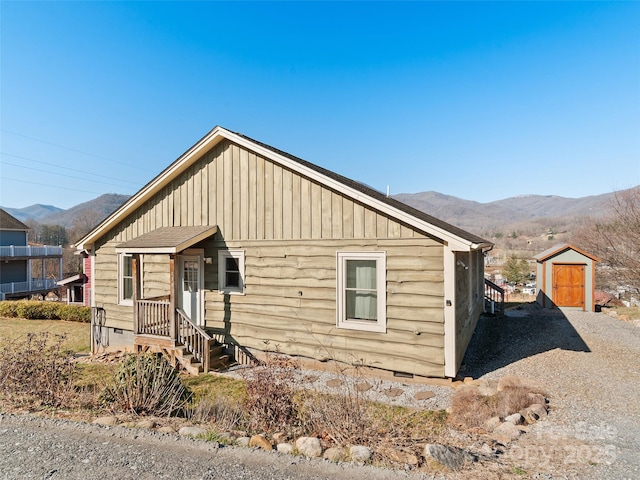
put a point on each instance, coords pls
(494, 295)
(195, 340)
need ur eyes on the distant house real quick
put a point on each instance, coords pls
(17, 258)
(566, 278)
(241, 244)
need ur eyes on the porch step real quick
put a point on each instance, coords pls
(220, 363)
(218, 360)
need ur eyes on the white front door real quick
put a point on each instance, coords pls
(190, 288)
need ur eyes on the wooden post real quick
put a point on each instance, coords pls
(172, 297)
(207, 355)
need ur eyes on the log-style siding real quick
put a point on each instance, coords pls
(290, 301)
(290, 228)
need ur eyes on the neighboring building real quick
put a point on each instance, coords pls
(79, 286)
(244, 243)
(566, 277)
(16, 261)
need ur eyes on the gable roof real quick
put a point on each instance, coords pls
(456, 237)
(562, 247)
(9, 222)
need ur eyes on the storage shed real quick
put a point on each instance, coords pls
(566, 278)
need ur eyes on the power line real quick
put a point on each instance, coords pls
(129, 165)
(48, 185)
(67, 168)
(63, 175)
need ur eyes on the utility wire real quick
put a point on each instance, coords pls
(48, 185)
(67, 168)
(129, 165)
(64, 175)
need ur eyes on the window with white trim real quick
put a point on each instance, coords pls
(125, 279)
(231, 271)
(361, 291)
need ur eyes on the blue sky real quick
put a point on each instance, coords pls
(479, 100)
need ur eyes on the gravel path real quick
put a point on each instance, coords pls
(39, 448)
(590, 365)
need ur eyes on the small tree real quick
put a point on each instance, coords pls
(516, 270)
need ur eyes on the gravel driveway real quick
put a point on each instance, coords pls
(590, 365)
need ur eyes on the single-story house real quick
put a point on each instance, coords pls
(566, 277)
(239, 242)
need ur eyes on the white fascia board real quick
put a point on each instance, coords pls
(147, 250)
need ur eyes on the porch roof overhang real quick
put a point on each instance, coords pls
(167, 240)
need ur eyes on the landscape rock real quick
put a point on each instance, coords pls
(514, 418)
(309, 447)
(534, 412)
(261, 442)
(405, 457)
(334, 382)
(491, 424)
(148, 424)
(227, 438)
(336, 454)
(393, 392)
(189, 431)
(286, 448)
(360, 453)
(106, 421)
(424, 395)
(363, 386)
(167, 429)
(279, 437)
(243, 441)
(450, 457)
(507, 430)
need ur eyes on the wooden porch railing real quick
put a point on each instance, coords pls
(153, 318)
(196, 341)
(494, 295)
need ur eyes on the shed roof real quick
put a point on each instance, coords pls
(81, 278)
(454, 236)
(167, 240)
(9, 222)
(558, 249)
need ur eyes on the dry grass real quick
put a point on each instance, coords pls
(471, 408)
(77, 335)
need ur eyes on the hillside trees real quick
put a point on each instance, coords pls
(615, 240)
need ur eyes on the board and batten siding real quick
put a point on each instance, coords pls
(290, 228)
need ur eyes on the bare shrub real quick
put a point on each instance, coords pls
(37, 371)
(271, 389)
(147, 384)
(470, 408)
(342, 417)
(225, 414)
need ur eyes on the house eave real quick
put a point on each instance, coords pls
(217, 135)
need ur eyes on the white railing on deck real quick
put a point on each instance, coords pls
(35, 285)
(30, 251)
